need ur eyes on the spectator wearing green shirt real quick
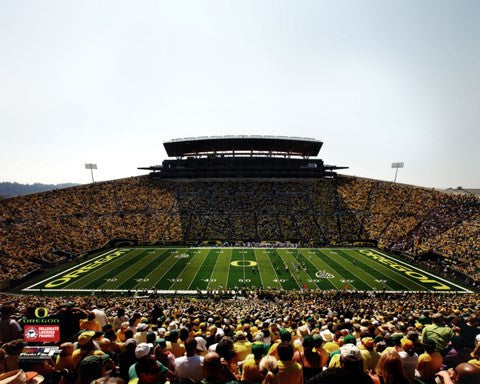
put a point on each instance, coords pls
(438, 332)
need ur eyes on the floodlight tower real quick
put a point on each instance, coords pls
(396, 166)
(91, 167)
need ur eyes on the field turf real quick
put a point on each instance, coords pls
(188, 270)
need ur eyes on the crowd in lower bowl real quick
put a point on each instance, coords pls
(281, 337)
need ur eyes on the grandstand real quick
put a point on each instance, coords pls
(240, 191)
(234, 240)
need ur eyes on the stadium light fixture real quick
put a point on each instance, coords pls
(396, 166)
(91, 167)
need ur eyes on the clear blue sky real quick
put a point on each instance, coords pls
(108, 82)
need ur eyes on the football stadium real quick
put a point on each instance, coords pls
(190, 270)
(240, 212)
(237, 250)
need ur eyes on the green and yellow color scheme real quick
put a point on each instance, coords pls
(189, 270)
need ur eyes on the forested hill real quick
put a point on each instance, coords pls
(14, 189)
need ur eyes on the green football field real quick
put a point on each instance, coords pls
(188, 270)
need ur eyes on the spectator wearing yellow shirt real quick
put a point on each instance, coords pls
(289, 372)
(335, 356)
(429, 362)
(121, 332)
(90, 324)
(242, 346)
(251, 365)
(285, 336)
(173, 345)
(274, 333)
(332, 345)
(476, 357)
(370, 357)
(86, 347)
(65, 359)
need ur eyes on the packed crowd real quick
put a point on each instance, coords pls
(415, 220)
(257, 337)
(76, 220)
(320, 212)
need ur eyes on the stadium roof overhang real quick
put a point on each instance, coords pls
(236, 145)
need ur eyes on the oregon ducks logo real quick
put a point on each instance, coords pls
(243, 263)
(41, 312)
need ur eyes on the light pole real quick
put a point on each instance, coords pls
(91, 167)
(396, 166)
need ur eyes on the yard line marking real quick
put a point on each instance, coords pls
(129, 272)
(211, 273)
(291, 274)
(343, 277)
(256, 260)
(167, 270)
(365, 270)
(228, 270)
(314, 263)
(222, 265)
(274, 270)
(136, 287)
(200, 266)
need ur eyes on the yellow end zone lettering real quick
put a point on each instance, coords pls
(86, 268)
(56, 283)
(409, 272)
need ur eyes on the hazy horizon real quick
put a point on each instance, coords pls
(340, 173)
(108, 82)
